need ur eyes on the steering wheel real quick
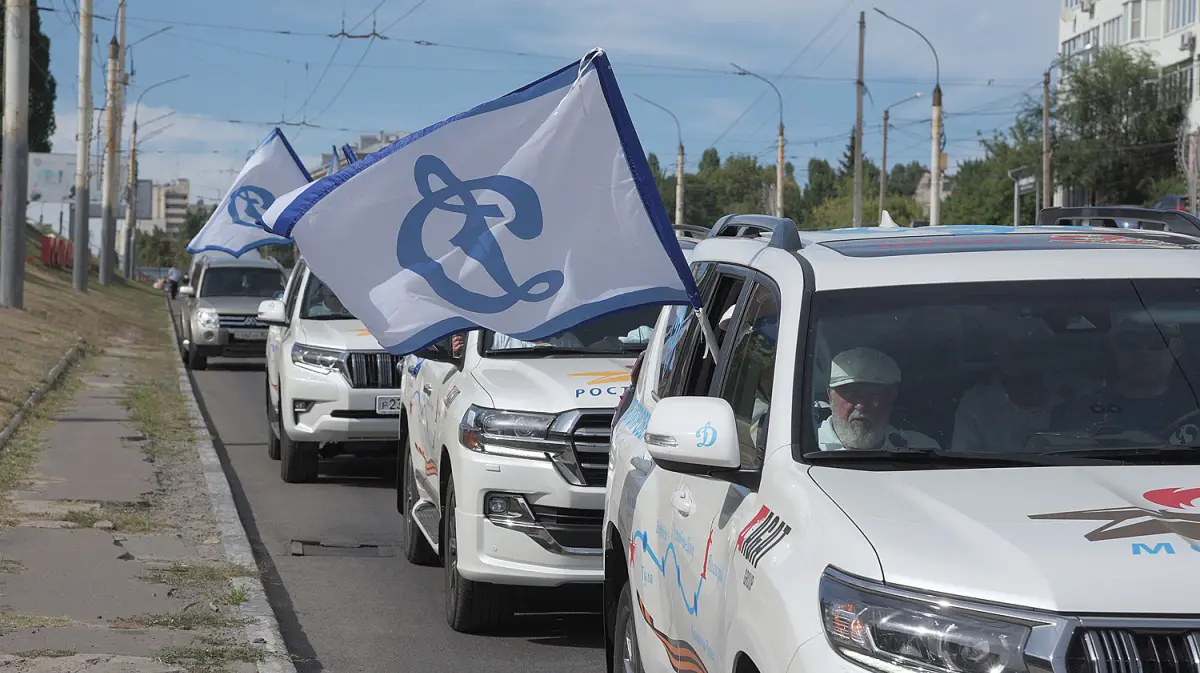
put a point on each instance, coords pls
(1184, 431)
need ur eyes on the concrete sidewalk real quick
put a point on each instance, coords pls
(110, 560)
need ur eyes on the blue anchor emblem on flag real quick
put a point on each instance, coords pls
(248, 203)
(707, 435)
(475, 238)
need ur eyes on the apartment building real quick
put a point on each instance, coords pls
(170, 204)
(1166, 29)
(367, 144)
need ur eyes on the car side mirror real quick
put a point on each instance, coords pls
(187, 291)
(693, 435)
(271, 312)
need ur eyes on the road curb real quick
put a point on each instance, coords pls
(69, 358)
(262, 627)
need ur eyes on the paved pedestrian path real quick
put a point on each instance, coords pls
(110, 560)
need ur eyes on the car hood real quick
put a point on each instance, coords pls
(554, 384)
(1107, 539)
(348, 335)
(232, 305)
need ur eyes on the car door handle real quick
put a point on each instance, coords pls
(682, 502)
(428, 389)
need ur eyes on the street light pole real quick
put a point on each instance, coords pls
(82, 256)
(779, 162)
(131, 198)
(15, 177)
(678, 161)
(935, 186)
(883, 171)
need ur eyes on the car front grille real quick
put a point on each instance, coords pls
(579, 528)
(1134, 651)
(590, 440)
(373, 370)
(239, 321)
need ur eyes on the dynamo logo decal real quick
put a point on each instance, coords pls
(248, 203)
(475, 238)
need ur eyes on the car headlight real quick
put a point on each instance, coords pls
(207, 318)
(323, 360)
(510, 433)
(891, 631)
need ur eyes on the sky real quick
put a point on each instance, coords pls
(443, 57)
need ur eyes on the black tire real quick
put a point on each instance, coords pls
(417, 549)
(196, 360)
(471, 607)
(625, 644)
(272, 419)
(299, 462)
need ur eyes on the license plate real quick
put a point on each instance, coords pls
(250, 334)
(390, 406)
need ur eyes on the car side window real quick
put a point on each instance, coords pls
(694, 369)
(292, 294)
(681, 322)
(749, 372)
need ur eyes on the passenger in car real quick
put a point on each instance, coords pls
(1150, 392)
(862, 390)
(1001, 414)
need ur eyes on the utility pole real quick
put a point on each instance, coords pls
(79, 224)
(883, 173)
(679, 186)
(1047, 183)
(131, 204)
(1193, 169)
(858, 123)
(16, 153)
(108, 227)
(935, 184)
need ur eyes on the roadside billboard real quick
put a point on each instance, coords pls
(51, 177)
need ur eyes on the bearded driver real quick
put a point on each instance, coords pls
(862, 389)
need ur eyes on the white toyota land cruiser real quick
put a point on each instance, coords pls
(331, 388)
(935, 450)
(507, 452)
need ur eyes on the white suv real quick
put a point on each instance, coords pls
(331, 388)
(1021, 489)
(506, 458)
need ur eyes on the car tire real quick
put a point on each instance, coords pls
(272, 419)
(196, 360)
(626, 656)
(298, 461)
(471, 607)
(417, 549)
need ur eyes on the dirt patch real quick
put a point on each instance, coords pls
(187, 620)
(122, 519)
(200, 575)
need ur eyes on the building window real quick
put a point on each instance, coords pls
(1133, 17)
(1071, 3)
(1180, 14)
(1176, 82)
(1110, 32)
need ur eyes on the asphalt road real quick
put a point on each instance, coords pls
(348, 613)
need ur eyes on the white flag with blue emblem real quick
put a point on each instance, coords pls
(273, 170)
(527, 215)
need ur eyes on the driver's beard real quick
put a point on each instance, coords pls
(858, 436)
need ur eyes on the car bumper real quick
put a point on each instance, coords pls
(817, 655)
(553, 536)
(228, 343)
(324, 408)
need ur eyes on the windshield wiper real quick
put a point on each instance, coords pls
(936, 457)
(329, 317)
(1175, 455)
(543, 350)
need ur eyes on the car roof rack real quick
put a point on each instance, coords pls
(783, 231)
(702, 232)
(1174, 221)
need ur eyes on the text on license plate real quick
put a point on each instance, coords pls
(250, 334)
(388, 405)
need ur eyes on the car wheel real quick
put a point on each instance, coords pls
(299, 461)
(272, 419)
(196, 360)
(417, 549)
(471, 607)
(626, 657)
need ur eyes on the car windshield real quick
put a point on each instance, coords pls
(1096, 368)
(244, 281)
(619, 333)
(321, 304)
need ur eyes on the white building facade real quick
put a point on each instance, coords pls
(1166, 29)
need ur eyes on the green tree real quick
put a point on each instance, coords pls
(42, 87)
(655, 168)
(1117, 120)
(904, 178)
(710, 160)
